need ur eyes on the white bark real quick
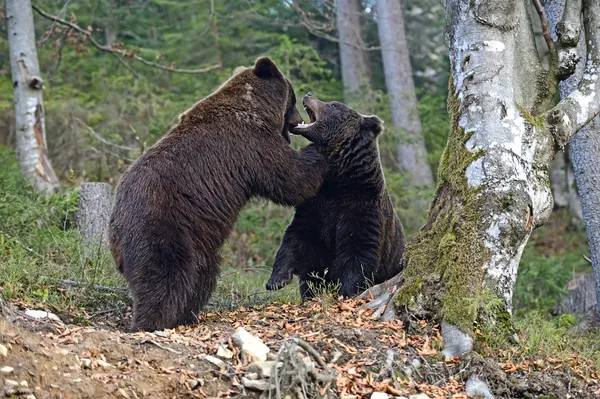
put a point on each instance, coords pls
(492, 52)
(27, 89)
(355, 72)
(412, 154)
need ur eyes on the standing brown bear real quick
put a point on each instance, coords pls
(349, 234)
(178, 202)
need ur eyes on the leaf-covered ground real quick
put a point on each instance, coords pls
(53, 360)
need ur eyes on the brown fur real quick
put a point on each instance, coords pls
(178, 202)
(348, 234)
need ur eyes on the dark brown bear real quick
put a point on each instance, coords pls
(349, 233)
(178, 202)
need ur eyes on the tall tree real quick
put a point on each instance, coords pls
(27, 89)
(412, 154)
(493, 178)
(355, 72)
(584, 148)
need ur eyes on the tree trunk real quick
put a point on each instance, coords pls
(412, 154)
(582, 295)
(93, 214)
(29, 108)
(493, 187)
(584, 148)
(355, 72)
(559, 182)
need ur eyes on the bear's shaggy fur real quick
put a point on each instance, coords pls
(349, 233)
(178, 202)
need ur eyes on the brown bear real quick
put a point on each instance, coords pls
(176, 205)
(348, 235)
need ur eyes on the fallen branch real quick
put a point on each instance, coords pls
(161, 346)
(123, 53)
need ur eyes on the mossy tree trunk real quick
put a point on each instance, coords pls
(493, 183)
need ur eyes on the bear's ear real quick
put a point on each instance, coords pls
(373, 124)
(265, 68)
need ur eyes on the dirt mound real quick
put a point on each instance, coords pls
(52, 360)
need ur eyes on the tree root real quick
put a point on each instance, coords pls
(382, 298)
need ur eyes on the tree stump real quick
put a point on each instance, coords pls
(92, 216)
(582, 295)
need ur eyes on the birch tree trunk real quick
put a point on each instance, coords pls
(355, 72)
(493, 187)
(412, 154)
(27, 88)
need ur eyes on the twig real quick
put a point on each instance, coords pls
(118, 51)
(102, 139)
(311, 351)
(73, 283)
(588, 259)
(162, 346)
(544, 21)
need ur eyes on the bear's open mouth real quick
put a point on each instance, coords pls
(311, 117)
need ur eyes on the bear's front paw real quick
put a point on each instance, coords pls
(278, 282)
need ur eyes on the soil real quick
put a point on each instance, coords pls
(54, 360)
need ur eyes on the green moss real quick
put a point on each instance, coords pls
(533, 120)
(446, 254)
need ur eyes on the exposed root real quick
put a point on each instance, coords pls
(298, 377)
(382, 298)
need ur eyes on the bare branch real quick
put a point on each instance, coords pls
(583, 104)
(122, 52)
(544, 21)
(568, 31)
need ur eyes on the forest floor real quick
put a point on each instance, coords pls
(354, 356)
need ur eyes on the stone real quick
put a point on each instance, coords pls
(419, 396)
(264, 369)
(6, 370)
(379, 395)
(478, 389)
(10, 383)
(224, 352)
(3, 350)
(251, 346)
(42, 314)
(257, 385)
(214, 360)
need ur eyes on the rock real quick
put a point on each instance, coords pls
(224, 352)
(193, 384)
(86, 363)
(419, 396)
(416, 363)
(478, 389)
(162, 334)
(310, 366)
(6, 370)
(251, 346)
(264, 369)
(123, 393)
(103, 364)
(379, 395)
(10, 383)
(42, 314)
(456, 342)
(30, 396)
(257, 385)
(216, 361)
(24, 384)
(336, 356)
(252, 376)
(3, 350)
